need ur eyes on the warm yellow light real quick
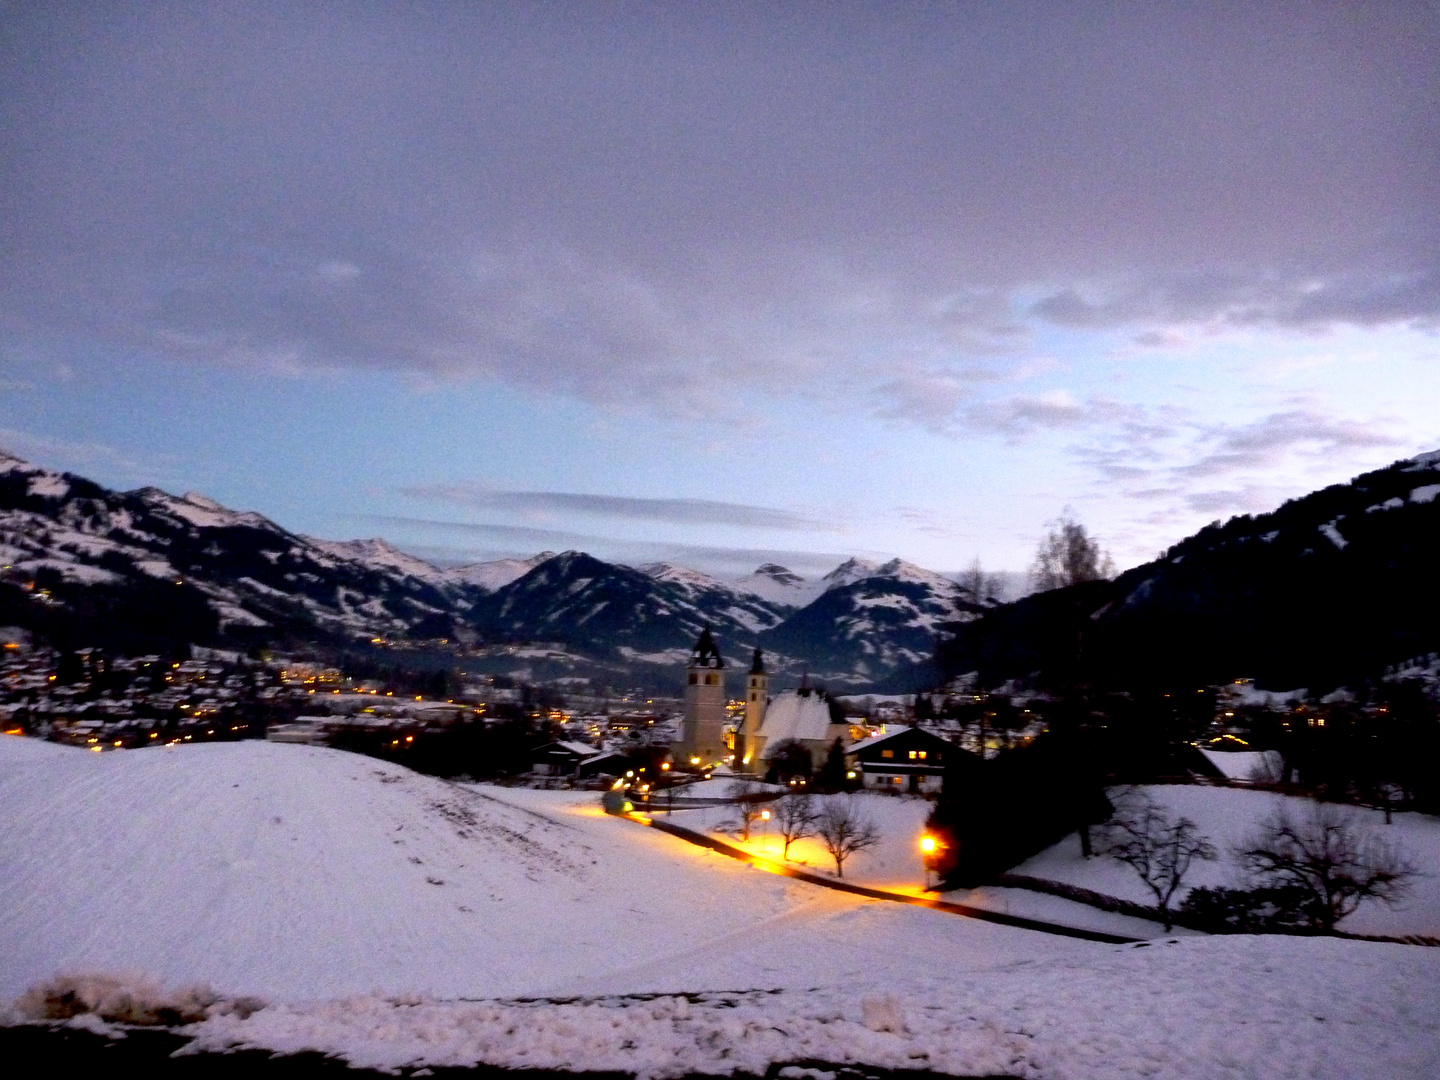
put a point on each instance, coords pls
(764, 815)
(664, 765)
(927, 844)
(96, 749)
(694, 761)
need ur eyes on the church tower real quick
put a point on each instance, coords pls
(757, 689)
(702, 728)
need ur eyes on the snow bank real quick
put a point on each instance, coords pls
(1196, 1007)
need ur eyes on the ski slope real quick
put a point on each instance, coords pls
(371, 908)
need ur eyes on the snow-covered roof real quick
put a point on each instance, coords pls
(876, 740)
(793, 715)
(1246, 764)
(585, 750)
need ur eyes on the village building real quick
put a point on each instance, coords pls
(907, 759)
(803, 716)
(702, 725)
(560, 758)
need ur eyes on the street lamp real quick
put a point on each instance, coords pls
(932, 849)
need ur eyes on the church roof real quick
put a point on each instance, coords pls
(706, 654)
(796, 715)
(757, 666)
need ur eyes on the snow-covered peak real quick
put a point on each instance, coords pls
(11, 463)
(43, 482)
(496, 573)
(908, 571)
(1422, 462)
(379, 554)
(851, 570)
(778, 584)
(200, 510)
(681, 575)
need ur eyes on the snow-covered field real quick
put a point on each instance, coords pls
(1228, 816)
(364, 902)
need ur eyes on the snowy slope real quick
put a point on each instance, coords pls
(146, 566)
(1227, 816)
(1328, 589)
(310, 876)
(298, 871)
(779, 585)
(496, 573)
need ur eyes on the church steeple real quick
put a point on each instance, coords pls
(702, 727)
(706, 654)
(747, 742)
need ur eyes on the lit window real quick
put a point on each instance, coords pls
(912, 755)
(922, 755)
(712, 680)
(887, 753)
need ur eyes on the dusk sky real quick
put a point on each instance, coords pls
(722, 283)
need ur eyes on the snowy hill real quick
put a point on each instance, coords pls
(393, 921)
(1329, 589)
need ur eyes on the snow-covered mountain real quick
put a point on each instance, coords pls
(146, 570)
(873, 620)
(779, 585)
(496, 573)
(609, 608)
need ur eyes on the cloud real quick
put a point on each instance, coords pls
(650, 208)
(1307, 297)
(510, 540)
(671, 511)
(1264, 442)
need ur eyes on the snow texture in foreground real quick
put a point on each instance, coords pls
(1201, 1007)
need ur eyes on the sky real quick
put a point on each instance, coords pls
(722, 283)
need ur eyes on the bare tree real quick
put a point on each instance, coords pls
(1068, 555)
(1329, 858)
(980, 585)
(844, 830)
(1159, 849)
(795, 818)
(745, 795)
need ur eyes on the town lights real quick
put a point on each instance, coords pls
(928, 845)
(764, 815)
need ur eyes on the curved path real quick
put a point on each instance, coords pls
(760, 862)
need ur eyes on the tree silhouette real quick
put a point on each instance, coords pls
(1068, 555)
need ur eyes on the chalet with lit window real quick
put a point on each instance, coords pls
(560, 758)
(907, 759)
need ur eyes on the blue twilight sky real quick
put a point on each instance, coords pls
(722, 283)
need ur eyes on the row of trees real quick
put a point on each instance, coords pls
(1297, 871)
(837, 821)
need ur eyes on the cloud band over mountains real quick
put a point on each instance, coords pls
(669, 511)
